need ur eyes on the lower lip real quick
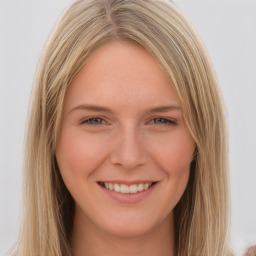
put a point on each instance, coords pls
(129, 198)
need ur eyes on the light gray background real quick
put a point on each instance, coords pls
(228, 28)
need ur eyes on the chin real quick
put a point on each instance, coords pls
(132, 225)
(128, 231)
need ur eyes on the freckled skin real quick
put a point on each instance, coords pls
(127, 145)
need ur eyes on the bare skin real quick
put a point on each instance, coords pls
(84, 242)
(251, 251)
(123, 125)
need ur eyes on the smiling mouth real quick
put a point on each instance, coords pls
(127, 189)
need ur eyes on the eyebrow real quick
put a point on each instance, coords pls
(165, 108)
(98, 108)
(91, 107)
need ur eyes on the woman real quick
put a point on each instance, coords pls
(126, 141)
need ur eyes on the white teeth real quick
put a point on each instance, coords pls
(146, 185)
(123, 188)
(133, 189)
(116, 187)
(140, 187)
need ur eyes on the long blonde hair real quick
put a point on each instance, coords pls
(202, 214)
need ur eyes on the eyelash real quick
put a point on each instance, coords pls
(89, 121)
(164, 121)
(100, 121)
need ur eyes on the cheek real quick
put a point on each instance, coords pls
(78, 153)
(173, 151)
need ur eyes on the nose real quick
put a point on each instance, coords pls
(128, 150)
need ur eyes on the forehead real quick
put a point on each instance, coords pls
(121, 73)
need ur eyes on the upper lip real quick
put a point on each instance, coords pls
(128, 182)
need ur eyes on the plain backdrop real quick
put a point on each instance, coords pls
(228, 28)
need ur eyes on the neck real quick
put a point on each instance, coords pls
(89, 240)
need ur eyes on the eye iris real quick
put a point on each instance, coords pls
(95, 121)
(160, 120)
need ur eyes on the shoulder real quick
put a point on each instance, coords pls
(251, 251)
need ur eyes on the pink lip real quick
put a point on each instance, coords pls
(128, 198)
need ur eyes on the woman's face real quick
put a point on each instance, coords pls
(124, 150)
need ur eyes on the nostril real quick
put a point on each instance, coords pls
(129, 152)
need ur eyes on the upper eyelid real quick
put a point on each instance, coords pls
(86, 120)
(165, 118)
(171, 119)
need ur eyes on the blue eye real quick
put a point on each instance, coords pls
(93, 121)
(163, 121)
